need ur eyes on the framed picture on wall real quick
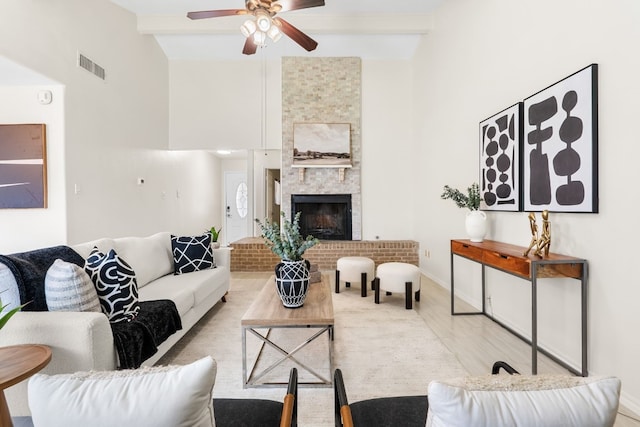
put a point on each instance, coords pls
(560, 150)
(23, 166)
(322, 144)
(500, 141)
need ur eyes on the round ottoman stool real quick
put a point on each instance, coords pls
(398, 277)
(355, 269)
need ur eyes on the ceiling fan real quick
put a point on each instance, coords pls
(265, 23)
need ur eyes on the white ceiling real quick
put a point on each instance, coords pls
(372, 29)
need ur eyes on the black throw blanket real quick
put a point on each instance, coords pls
(135, 341)
(30, 268)
(138, 340)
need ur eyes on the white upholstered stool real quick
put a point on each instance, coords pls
(398, 277)
(355, 269)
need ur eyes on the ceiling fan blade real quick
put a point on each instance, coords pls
(216, 13)
(299, 4)
(296, 35)
(249, 46)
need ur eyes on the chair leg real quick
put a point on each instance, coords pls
(347, 284)
(408, 295)
(337, 281)
(363, 285)
(376, 286)
(418, 295)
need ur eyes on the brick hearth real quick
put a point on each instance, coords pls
(251, 254)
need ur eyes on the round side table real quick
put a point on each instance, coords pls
(17, 363)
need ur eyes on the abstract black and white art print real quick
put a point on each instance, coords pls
(560, 150)
(500, 139)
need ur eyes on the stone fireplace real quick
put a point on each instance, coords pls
(325, 216)
(322, 90)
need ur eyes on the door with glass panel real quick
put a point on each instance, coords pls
(236, 206)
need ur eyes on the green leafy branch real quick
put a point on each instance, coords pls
(287, 242)
(471, 200)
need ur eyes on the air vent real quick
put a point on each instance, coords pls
(90, 66)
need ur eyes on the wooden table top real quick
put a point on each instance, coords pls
(267, 309)
(19, 362)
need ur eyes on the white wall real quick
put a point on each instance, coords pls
(112, 131)
(485, 56)
(389, 164)
(218, 104)
(24, 229)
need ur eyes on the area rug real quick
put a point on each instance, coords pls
(382, 350)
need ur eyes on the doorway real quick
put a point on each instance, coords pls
(272, 194)
(236, 206)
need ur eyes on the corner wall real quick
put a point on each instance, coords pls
(109, 132)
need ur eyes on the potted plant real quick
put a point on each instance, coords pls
(476, 220)
(292, 273)
(214, 237)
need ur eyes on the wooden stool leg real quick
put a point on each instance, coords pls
(337, 281)
(363, 285)
(408, 295)
(376, 286)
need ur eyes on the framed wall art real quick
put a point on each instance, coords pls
(500, 140)
(560, 150)
(23, 166)
(322, 144)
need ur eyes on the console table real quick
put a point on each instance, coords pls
(510, 259)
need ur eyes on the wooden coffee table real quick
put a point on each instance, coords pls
(17, 363)
(267, 312)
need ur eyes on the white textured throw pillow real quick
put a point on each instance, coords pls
(164, 396)
(523, 401)
(9, 293)
(67, 287)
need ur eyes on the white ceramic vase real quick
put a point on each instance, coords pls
(476, 225)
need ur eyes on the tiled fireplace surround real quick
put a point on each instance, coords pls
(322, 90)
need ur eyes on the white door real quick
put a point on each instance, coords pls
(236, 206)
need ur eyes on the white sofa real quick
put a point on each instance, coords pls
(82, 341)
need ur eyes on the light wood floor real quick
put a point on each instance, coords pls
(478, 342)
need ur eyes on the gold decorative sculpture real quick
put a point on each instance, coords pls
(543, 242)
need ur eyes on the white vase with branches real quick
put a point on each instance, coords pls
(476, 220)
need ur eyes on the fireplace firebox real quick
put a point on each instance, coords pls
(325, 216)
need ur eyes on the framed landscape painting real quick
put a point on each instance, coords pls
(23, 166)
(322, 144)
(500, 140)
(560, 151)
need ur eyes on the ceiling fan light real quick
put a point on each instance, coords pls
(274, 33)
(263, 21)
(259, 38)
(248, 28)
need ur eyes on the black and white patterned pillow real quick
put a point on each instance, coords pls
(116, 285)
(192, 253)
